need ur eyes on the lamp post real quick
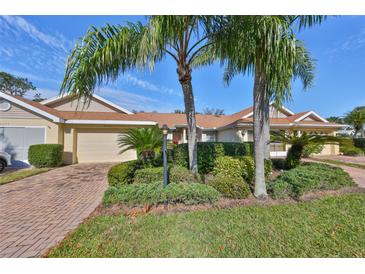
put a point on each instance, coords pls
(165, 130)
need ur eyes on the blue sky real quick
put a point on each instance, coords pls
(36, 47)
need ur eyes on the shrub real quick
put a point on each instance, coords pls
(177, 174)
(230, 187)
(308, 177)
(155, 193)
(360, 143)
(310, 149)
(248, 165)
(293, 156)
(268, 167)
(123, 173)
(279, 164)
(229, 167)
(148, 175)
(209, 151)
(45, 155)
(351, 151)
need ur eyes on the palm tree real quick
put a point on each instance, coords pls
(266, 46)
(146, 141)
(299, 141)
(108, 51)
(356, 118)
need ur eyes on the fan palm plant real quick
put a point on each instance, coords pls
(267, 47)
(146, 141)
(108, 51)
(299, 141)
(356, 118)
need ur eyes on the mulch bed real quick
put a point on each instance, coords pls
(122, 209)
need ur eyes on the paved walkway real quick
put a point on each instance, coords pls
(37, 212)
(344, 158)
(357, 174)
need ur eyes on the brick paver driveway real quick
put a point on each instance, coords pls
(37, 212)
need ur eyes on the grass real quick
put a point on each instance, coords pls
(337, 162)
(20, 174)
(330, 227)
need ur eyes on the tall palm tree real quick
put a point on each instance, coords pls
(298, 141)
(267, 47)
(356, 118)
(146, 141)
(108, 51)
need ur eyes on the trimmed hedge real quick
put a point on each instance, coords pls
(45, 155)
(308, 177)
(152, 194)
(230, 187)
(123, 173)
(351, 151)
(360, 143)
(209, 151)
(177, 174)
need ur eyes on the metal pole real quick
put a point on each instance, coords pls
(165, 175)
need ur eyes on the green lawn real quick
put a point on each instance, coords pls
(330, 227)
(20, 174)
(337, 162)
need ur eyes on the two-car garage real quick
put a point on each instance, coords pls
(100, 145)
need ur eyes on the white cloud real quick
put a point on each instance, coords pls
(21, 24)
(147, 85)
(354, 41)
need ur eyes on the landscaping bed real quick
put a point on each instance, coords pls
(16, 175)
(329, 227)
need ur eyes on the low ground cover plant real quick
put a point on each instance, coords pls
(45, 155)
(308, 177)
(155, 193)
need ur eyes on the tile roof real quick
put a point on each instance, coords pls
(174, 119)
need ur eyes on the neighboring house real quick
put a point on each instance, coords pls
(89, 132)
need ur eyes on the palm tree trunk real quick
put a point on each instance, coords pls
(267, 133)
(261, 122)
(184, 73)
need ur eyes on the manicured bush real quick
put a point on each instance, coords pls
(148, 175)
(155, 193)
(294, 155)
(248, 167)
(360, 143)
(45, 155)
(279, 164)
(230, 187)
(209, 151)
(229, 167)
(310, 149)
(308, 177)
(351, 151)
(123, 173)
(177, 174)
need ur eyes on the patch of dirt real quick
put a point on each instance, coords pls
(122, 209)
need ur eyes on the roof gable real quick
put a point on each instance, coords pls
(96, 104)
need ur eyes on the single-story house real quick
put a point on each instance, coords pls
(89, 132)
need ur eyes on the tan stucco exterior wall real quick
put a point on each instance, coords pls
(73, 105)
(52, 134)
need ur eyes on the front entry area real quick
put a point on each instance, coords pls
(101, 145)
(16, 142)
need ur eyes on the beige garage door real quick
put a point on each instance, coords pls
(100, 145)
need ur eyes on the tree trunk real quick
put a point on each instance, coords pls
(267, 132)
(261, 122)
(184, 73)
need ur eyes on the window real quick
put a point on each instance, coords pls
(210, 136)
(4, 105)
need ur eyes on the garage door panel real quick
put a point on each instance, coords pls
(16, 141)
(94, 145)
